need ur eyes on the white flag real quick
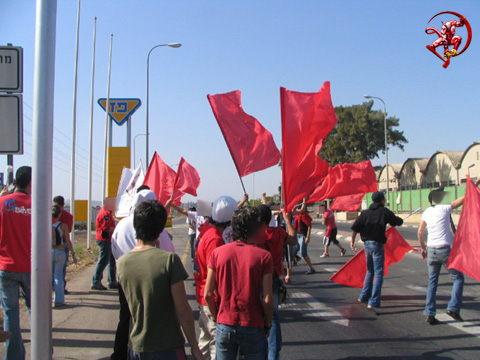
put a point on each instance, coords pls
(129, 182)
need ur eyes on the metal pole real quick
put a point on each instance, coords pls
(129, 132)
(90, 150)
(74, 128)
(43, 99)
(107, 120)
(172, 45)
(386, 148)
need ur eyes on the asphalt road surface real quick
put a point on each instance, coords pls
(322, 319)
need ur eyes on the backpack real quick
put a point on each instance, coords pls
(56, 236)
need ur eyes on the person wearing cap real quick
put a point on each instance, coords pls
(241, 274)
(437, 219)
(211, 237)
(371, 224)
(123, 241)
(275, 240)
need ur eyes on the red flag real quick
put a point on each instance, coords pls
(250, 144)
(307, 118)
(465, 254)
(187, 180)
(347, 202)
(346, 179)
(353, 272)
(160, 178)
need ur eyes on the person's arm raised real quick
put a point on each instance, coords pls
(457, 203)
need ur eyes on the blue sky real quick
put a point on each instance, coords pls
(371, 46)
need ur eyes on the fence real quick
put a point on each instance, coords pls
(410, 200)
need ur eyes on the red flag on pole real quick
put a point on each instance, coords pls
(347, 202)
(346, 179)
(465, 254)
(307, 118)
(353, 272)
(250, 144)
(187, 180)
(160, 178)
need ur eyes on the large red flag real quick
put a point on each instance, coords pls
(465, 254)
(307, 118)
(250, 144)
(347, 202)
(160, 178)
(346, 179)
(187, 180)
(353, 272)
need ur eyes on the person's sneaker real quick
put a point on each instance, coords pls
(58, 305)
(454, 315)
(67, 292)
(297, 258)
(377, 310)
(432, 320)
(310, 271)
(113, 286)
(287, 280)
(98, 287)
(324, 255)
(342, 253)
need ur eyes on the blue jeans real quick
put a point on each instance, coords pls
(192, 244)
(251, 341)
(67, 253)
(105, 258)
(372, 288)
(302, 246)
(275, 337)
(10, 285)
(437, 258)
(58, 261)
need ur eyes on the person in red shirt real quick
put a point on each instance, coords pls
(303, 225)
(105, 227)
(67, 219)
(241, 274)
(15, 258)
(331, 233)
(211, 237)
(275, 240)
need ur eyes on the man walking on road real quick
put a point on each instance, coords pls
(331, 233)
(153, 282)
(123, 241)
(371, 224)
(303, 225)
(65, 218)
(15, 258)
(437, 219)
(241, 274)
(105, 226)
(210, 238)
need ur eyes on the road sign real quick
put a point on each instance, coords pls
(11, 124)
(120, 109)
(11, 69)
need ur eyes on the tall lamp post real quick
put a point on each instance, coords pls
(386, 145)
(172, 45)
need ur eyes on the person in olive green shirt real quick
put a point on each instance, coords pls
(153, 283)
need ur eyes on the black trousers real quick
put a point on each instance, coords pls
(120, 349)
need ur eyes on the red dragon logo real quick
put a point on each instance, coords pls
(447, 37)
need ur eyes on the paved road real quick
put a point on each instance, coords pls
(321, 319)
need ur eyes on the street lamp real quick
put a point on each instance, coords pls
(386, 145)
(172, 45)
(134, 157)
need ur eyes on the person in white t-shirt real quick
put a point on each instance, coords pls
(124, 239)
(437, 219)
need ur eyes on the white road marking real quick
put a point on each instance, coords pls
(332, 270)
(311, 307)
(465, 326)
(422, 289)
(320, 232)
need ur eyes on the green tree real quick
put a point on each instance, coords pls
(359, 135)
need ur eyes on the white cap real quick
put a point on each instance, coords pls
(142, 196)
(223, 209)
